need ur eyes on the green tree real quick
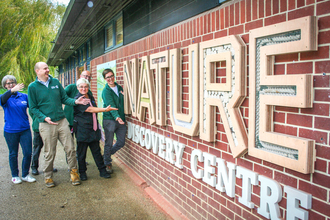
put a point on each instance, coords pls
(27, 28)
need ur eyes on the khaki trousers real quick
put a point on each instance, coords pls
(50, 134)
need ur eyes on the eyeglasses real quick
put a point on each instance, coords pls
(109, 77)
(83, 87)
(10, 83)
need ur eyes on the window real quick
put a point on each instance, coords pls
(81, 55)
(66, 65)
(119, 30)
(84, 52)
(114, 33)
(89, 50)
(72, 62)
(109, 36)
(61, 68)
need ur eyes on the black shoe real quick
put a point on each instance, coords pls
(83, 177)
(54, 170)
(104, 175)
(35, 171)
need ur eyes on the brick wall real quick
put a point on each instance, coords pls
(194, 198)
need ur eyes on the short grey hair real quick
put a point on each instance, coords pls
(5, 78)
(82, 80)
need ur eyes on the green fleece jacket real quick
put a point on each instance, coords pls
(110, 98)
(47, 102)
(35, 122)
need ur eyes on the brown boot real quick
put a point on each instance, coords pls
(75, 177)
(49, 182)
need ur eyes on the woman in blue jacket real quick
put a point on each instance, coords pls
(17, 128)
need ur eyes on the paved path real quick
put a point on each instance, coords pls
(97, 198)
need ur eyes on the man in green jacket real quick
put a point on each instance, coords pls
(113, 121)
(71, 90)
(46, 96)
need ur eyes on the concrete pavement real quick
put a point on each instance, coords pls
(97, 198)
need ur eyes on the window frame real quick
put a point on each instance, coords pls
(88, 50)
(81, 55)
(114, 33)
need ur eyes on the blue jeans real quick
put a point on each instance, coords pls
(112, 127)
(13, 140)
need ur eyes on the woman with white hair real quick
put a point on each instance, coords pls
(87, 132)
(17, 128)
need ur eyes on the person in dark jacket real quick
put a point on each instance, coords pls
(114, 121)
(72, 91)
(17, 128)
(87, 131)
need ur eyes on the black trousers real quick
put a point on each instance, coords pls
(96, 152)
(37, 146)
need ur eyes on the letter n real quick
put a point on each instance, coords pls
(131, 80)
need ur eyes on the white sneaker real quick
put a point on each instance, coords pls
(16, 180)
(29, 179)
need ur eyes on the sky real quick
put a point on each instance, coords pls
(66, 2)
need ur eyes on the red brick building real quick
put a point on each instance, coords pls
(241, 88)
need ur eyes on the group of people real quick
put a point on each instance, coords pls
(51, 124)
